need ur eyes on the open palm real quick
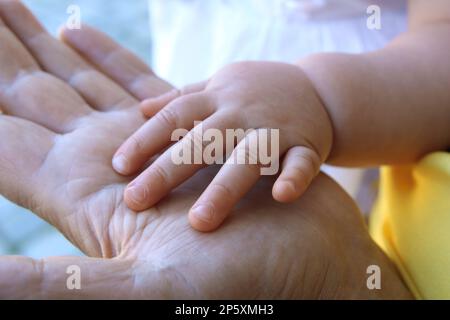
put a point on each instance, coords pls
(65, 114)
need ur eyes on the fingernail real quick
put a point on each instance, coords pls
(203, 212)
(137, 194)
(120, 163)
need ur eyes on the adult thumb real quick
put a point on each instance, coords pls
(64, 278)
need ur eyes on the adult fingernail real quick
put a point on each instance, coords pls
(203, 213)
(120, 163)
(137, 194)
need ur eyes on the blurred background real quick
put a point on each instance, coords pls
(21, 232)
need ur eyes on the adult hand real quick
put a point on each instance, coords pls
(64, 118)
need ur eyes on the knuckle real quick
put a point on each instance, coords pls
(308, 160)
(223, 191)
(137, 144)
(194, 143)
(298, 173)
(247, 151)
(113, 56)
(167, 117)
(81, 76)
(183, 100)
(161, 174)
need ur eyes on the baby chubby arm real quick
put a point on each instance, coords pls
(391, 106)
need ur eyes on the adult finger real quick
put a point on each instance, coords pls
(29, 93)
(118, 63)
(64, 278)
(62, 61)
(85, 278)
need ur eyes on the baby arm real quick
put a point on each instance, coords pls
(391, 106)
(385, 107)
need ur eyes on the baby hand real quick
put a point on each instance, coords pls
(246, 95)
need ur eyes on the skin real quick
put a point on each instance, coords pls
(244, 95)
(61, 134)
(343, 109)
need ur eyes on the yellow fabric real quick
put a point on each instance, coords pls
(411, 222)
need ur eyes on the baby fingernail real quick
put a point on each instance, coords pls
(120, 163)
(137, 194)
(203, 212)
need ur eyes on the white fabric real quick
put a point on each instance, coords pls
(192, 39)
